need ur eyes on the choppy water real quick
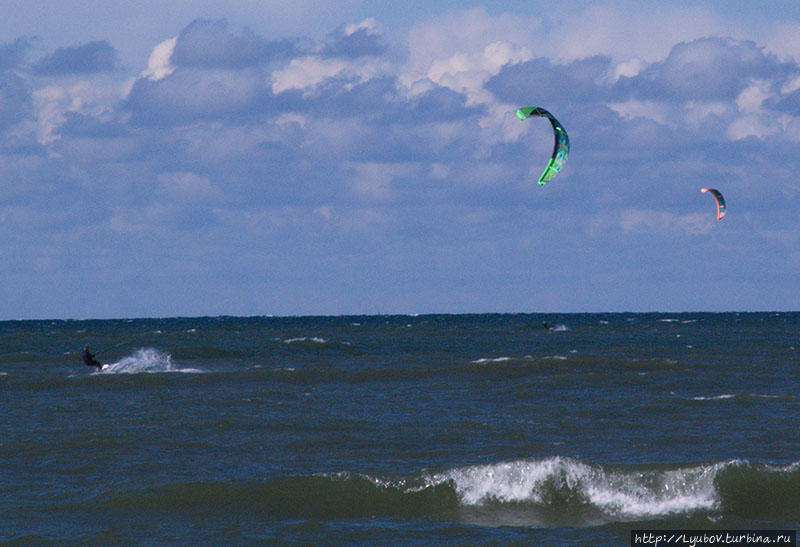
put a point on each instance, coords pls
(409, 429)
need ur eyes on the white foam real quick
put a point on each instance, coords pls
(492, 360)
(619, 494)
(714, 397)
(655, 493)
(314, 339)
(149, 360)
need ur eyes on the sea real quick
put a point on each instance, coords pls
(528, 429)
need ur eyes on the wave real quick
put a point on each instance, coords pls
(145, 360)
(501, 367)
(306, 340)
(714, 397)
(491, 360)
(317, 343)
(549, 492)
(741, 397)
(558, 490)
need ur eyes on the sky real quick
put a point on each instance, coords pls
(329, 157)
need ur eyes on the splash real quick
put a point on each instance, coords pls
(148, 360)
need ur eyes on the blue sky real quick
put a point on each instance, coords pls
(344, 157)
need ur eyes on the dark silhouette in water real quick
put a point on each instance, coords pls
(89, 360)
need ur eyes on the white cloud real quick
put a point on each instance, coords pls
(634, 108)
(369, 24)
(184, 185)
(791, 86)
(752, 97)
(466, 32)
(462, 51)
(695, 113)
(309, 71)
(628, 30)
(96, 97)
(373, 181)
(783, 39)
(467, 73)
(628, 68)
(160, 65)
(650, 221)
(749, 125)
(306, 72)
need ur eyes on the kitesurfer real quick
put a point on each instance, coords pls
(89, 360)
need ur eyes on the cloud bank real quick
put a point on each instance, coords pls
(369, 173)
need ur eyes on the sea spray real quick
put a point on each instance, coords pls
(145, 360)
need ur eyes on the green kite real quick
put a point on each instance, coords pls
(561, 147)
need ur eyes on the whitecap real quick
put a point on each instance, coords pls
(714, 397)
(619, 494)
(314, 339)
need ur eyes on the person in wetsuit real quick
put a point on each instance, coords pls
(89, 360)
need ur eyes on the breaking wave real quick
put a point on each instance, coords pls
(551, 492)
(559, 490)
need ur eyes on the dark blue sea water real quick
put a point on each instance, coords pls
(399, 429)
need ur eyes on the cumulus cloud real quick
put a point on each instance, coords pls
(353, 41)
(466, 33)
(310, 71)
(209, 44)
(704, 69)
(160, 64)
(54, 103)
(541, 80)
(89, 58)
(193, 94)
(627, 30)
